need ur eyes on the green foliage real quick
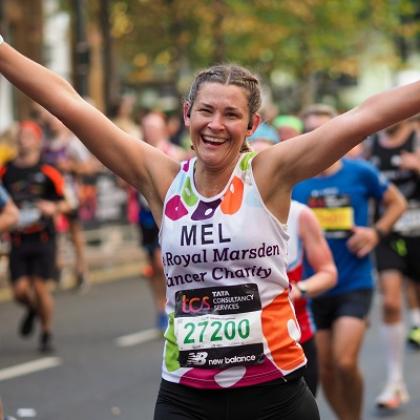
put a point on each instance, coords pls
(161, 39)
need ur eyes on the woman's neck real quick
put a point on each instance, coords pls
(210, 182)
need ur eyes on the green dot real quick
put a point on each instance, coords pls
(188, 196)
(246, 159)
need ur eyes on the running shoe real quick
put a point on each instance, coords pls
(393, 396)
(45, 343)
(82, 283)
(26, 327)
(413, 337)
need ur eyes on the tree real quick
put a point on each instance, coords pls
(25, 29)
(310, 40)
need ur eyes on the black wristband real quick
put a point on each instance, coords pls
(302, 289)
(380, 232)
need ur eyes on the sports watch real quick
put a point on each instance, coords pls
(301, 286)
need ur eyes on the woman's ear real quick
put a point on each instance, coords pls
(253, 124)
(187, 113)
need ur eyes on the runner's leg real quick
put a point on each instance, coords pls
(393, 332)
(24, 295)
(348, 333)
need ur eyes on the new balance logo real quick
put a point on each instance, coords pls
(197, 359)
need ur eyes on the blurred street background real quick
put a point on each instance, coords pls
(144, 53)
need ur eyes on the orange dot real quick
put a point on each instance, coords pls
(232, 200)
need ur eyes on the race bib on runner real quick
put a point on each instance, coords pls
(334, 213)
(409, 222)
(28, 216)
(219, 327)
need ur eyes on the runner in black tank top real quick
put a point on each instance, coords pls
(395, 153)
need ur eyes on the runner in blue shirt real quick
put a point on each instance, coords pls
(339, 196)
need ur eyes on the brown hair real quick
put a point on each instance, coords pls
(229, 74)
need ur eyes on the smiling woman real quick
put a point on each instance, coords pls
(247, 353)
(219, 116)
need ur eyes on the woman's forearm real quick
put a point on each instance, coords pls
(108, 143)
(387, 108)
(39, 83)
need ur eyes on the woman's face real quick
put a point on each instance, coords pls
(218, 123)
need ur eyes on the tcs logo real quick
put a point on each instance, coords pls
(195, 304)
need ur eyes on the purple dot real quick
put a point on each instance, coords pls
(205, 210)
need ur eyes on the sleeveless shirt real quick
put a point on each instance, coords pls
(387, 160)
(231, 322)
(295, 270)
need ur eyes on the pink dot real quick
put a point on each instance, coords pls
(175, 209)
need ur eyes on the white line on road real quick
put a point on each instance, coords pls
(29, 367)
(138, 338)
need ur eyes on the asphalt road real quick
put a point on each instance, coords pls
(107, 363)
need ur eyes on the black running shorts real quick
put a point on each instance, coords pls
(327, 309)
(401, 253)
(33, 258)
(275, 400)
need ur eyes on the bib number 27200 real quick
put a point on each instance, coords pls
(217, 330)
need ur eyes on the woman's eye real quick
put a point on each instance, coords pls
(232, 115)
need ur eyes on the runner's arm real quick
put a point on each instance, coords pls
(317, 253)
(309, 154)
(9, 216)
(135, 161)
(364, 239)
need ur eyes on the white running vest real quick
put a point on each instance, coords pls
(231, 322)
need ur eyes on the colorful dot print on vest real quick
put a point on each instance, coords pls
(279, 325)
(227, 378)
(175, 209)
(245, 162)
(205, 210)
(190, 199)
(232, 200)
(271, 350)
(172, 350)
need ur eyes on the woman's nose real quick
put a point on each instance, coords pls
(216, 122)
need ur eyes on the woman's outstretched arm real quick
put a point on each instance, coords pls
(132, 159)
(309, 154)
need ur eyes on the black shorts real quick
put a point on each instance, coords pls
(275, 400)
(328, 309)
(149, 238)
(33, 258)
(311, 372)
(402, 253)
(73, 215)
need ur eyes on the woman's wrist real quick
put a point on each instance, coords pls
(302, 289)
(380, 233)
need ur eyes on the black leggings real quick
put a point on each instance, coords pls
(311, 372)
(275, 400)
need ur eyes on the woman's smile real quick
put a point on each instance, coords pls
(213, 140)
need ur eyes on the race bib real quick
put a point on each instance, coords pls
(409, 222)
(28, 216)
(334, 213)
(219, 327)
(335, 218)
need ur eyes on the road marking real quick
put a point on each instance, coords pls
(29, 367)
(138, 338)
